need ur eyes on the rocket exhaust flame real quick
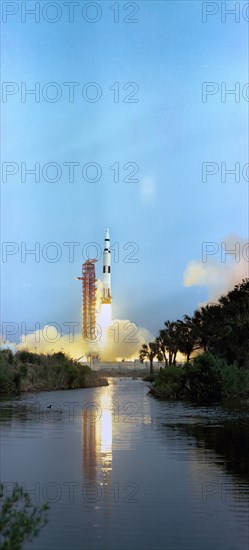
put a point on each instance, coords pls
(104, 320)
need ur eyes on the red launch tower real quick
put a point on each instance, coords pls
(88, 279)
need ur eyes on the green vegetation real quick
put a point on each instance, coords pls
(217, 336)
(150, 351)
(20, 521)
(221, 329)
(26, 371)
(206, 379)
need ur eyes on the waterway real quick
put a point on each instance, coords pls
(122, 470)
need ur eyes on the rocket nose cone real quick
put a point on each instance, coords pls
(107, 233)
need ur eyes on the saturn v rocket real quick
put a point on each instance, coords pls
(106, 293)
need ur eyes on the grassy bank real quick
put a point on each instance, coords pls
(25, 371)
(205, 379)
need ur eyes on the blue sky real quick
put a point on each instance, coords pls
(168, 133)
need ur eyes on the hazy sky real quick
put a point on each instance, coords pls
(168, 133)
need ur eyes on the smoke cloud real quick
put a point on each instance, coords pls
(223, 266)
(123, 341)
(115, 340)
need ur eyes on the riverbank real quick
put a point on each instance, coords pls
(123, 373)
(27, 372)
(205, 379)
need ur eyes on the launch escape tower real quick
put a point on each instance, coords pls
(88, 279)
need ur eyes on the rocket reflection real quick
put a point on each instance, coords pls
(97, 446)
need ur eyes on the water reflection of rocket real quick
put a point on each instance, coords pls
(106, 296)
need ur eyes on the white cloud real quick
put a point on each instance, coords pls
(221, 273)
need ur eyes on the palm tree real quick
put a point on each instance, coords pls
(235, 313)
(186, 336)
(168, 337)
(207, 322)
(150, 351)
(161, 341)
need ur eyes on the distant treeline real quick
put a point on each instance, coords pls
(215, 342)
(27, 371)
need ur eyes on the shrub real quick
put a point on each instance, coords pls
(44, 372)
(202, 379)
(7, 384)
(7, 356)
(26, 356)
(167, 382)
(235, 380)
(206, 379)
(20, 521)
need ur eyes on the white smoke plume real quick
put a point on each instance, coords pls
(220, 268)
(123, 341)
(49, 340)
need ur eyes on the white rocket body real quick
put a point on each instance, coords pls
(106, 295)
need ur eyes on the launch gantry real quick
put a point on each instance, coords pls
(88, 279)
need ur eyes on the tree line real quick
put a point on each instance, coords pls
(221, 329)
